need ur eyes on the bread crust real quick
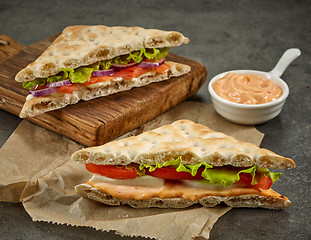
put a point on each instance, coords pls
(38, 105)
(249, 201)
(83, 45)
(195, 143)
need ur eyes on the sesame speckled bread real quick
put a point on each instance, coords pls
(38, 105)
(193, 142)
(84, 45)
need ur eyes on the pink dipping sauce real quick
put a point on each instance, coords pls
(246, 88)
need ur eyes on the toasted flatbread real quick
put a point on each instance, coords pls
(38, 105)
(195, 143)
(84, 45)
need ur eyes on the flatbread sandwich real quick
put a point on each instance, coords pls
(86, 62)
(179, 165)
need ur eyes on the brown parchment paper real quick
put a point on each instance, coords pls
(36, 169)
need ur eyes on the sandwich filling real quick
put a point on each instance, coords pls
(127, 67)
(174, 179)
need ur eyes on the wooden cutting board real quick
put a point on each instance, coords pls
(97, 121)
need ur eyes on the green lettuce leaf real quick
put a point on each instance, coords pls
(193, 169)
(176, 163)
(136, 56)
(64, 74)
(33, 83)
(157, 53)
(139, 172)
(226, 176)
(103, 65)
(151, 167)
(265, 172)
(81, 75)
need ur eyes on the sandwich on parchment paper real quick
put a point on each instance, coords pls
(181, 164)
(86, 62)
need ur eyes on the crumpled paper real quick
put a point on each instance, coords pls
(36, 170)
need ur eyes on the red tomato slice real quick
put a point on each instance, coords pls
(162, 68)
(68, 89)
(115, 172)
(265, 183)
(97, 79)
(245, 179)
(131, 72)
(171, 173)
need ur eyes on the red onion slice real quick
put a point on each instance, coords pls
(60, 83)
(103, 73)
(122, 66)
(42, 92)
(152, 64)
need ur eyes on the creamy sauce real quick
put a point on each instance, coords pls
(173, 188)
(246, 88)
(29, 96)
(105, 83)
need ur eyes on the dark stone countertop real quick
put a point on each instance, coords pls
(225, 35)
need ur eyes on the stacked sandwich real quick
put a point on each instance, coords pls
(182, 164)
(86, 62)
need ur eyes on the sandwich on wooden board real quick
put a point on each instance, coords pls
(86, 62)
(179, 165)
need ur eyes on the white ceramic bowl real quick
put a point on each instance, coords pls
(247, 114)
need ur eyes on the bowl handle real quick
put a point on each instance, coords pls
(288, 56)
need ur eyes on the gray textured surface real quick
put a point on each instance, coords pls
(224, 35)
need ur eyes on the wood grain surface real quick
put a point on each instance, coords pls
(8, 47)
(100, 120)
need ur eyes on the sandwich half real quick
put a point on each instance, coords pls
(179, 165)
(86, 62)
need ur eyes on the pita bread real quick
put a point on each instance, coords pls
(84, 45)
(38, 105)
(195, 143)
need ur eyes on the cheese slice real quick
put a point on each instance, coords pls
(143, 181)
